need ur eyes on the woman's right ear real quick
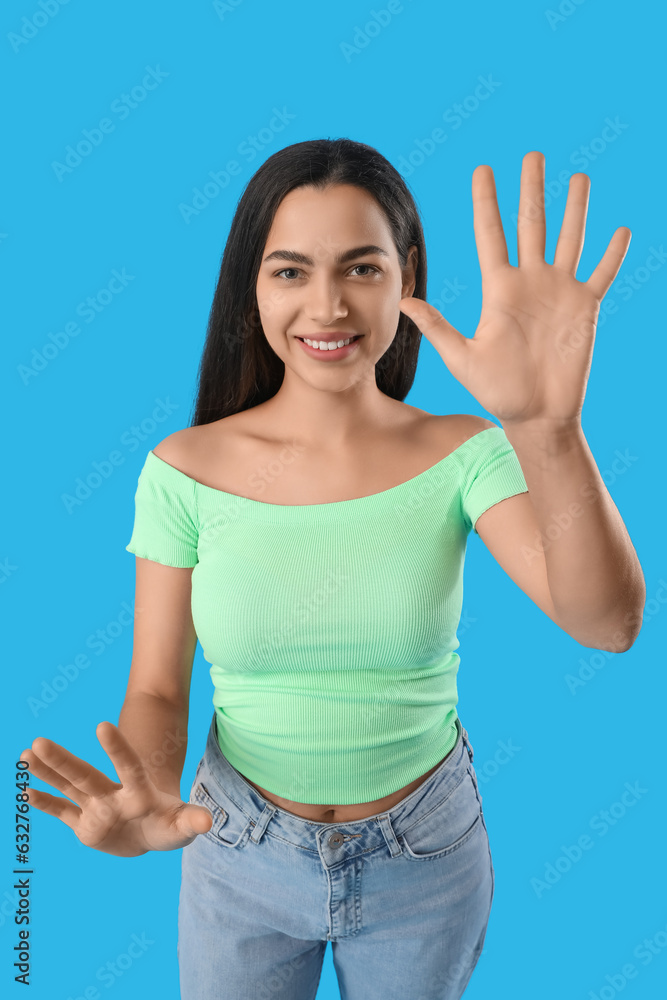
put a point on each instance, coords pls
(410, 273)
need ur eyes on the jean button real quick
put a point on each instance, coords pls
(336, 839)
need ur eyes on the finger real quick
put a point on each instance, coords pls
(531, 225)
(55, 806)
(82, 775)
(571, 236)
(488, 226)
(192, 820)
(51, 777)
(606, 271)
(452, 346)
(129, 767)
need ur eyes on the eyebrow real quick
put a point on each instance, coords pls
(340, 258)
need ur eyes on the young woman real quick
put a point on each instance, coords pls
(309, 528)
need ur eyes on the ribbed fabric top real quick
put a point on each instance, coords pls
(330, 628)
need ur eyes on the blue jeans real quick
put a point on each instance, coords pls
(404, 896)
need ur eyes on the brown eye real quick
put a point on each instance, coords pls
(374, 270)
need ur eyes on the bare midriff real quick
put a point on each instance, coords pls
(345, 813)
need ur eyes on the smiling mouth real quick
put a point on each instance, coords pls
(329, 345)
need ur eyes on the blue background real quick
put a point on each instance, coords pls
(558, 79)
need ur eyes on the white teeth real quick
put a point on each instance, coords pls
(323, 345)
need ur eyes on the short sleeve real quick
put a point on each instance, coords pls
(165, 519)
(491, 473)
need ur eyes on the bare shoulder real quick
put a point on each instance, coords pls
(450, 430)
(198, 451)
(175, 445)
(187, 448)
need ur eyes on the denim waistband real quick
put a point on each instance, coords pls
(232, 790)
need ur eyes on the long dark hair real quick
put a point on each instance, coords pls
(238, 368)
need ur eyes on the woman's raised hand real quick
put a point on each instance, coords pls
(530, 357)
(125, 818)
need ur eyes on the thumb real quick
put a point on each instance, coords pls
(451, 345)
(195, 819)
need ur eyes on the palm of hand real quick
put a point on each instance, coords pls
(533, 344)
(126, 823)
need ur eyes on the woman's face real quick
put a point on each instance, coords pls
(333, 273)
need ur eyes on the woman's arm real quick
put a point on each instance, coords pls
(154, 716)
(564, 542)
(595, 578)
(158, 731)
(528, 365)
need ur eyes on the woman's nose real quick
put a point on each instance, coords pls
(325, 302)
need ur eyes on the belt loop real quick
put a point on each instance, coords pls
(385, 824)
(265, 818)
(464, 733)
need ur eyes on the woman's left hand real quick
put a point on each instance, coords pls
(531, 354)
